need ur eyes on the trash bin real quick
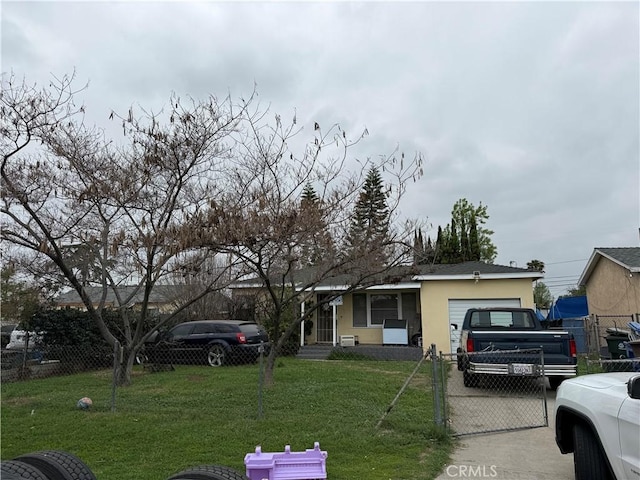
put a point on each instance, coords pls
(616, 344)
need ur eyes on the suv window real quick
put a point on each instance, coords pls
(206, 328)
(180, 330)
(251, 328)
(227, 328)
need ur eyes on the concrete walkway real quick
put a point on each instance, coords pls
(530, 454)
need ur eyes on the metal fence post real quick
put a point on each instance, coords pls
(260, 379)
(116, 371)
(544, 390)
(443, 383)
(437, 412)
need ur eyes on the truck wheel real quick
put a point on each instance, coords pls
(554, 382)
(469, 379)
(209, 472)
(588, 459)
(20, 470)
(58, 465)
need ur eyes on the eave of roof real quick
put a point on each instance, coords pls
(622, 256)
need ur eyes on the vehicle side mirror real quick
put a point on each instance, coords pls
(454, 326)
(633, 387)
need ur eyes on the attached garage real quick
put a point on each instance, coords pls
(458, 309)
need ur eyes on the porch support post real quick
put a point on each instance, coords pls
(335, 324)
(302, 325)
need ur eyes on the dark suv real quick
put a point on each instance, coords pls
(212, 342)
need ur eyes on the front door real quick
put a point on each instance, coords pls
(325, 321)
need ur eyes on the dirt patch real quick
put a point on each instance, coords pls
(19, 401)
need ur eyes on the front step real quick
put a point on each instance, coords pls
(314, 352)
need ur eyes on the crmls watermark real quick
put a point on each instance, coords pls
(472, 471)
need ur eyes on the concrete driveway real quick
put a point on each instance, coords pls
(529, 454)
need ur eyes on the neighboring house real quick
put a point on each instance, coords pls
(163, 299)
(432, 299)
(612, 281)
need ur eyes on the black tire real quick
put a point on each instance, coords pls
(20, 470)
(58, 465)
(588, 458)
(469, 379)
(216, 355)
(209, 472)
(554, 382)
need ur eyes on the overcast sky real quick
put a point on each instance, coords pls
(530, 108)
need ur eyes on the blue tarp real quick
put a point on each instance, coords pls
(570, 307)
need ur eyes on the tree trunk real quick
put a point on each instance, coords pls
(125, 367)
(270, 367)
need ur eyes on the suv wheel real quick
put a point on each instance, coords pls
(588, 458)
(216, 355)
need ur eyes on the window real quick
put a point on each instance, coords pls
(371, 309)
(202, 328)
(383, 306)
(181, 330)
(360, 310)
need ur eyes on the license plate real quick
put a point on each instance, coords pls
(521, 369)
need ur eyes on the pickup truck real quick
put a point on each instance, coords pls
(507, 341)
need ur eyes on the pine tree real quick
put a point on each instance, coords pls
(474, 242)
(370, 224)
(316, 243)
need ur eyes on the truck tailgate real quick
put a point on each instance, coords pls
(554, 344)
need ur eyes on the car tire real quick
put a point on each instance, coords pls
(588, 458)
(216, 355)
(469, 379)
(20, 470)
(58, 465)
(554, 382)
(209, 472)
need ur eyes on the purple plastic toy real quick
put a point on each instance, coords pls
(307, 465)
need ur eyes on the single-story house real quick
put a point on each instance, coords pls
(612, 281)
(162, 300)
(428, 301)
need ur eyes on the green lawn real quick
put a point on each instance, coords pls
(169, 421)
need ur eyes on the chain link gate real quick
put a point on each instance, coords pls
(469, 404)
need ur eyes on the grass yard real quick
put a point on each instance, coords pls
(168, 421)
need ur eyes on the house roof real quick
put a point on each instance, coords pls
(627, 257)
(408, 276)
(160, 294)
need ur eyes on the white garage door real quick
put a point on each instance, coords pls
(458, 308)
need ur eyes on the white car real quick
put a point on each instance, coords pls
(598, 419)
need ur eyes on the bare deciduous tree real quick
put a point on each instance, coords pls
(105, 214)
(268, 230)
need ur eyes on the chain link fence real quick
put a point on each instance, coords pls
(509, 395)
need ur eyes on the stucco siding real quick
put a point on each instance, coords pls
(612, 290)
(435, 296)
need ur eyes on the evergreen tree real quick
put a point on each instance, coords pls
(418, 248)
(440, 246)
(370, 223)
(316, 242)
(465, 240)
(474, 242)
(454, 244)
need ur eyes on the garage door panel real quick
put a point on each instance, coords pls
(458, 308)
